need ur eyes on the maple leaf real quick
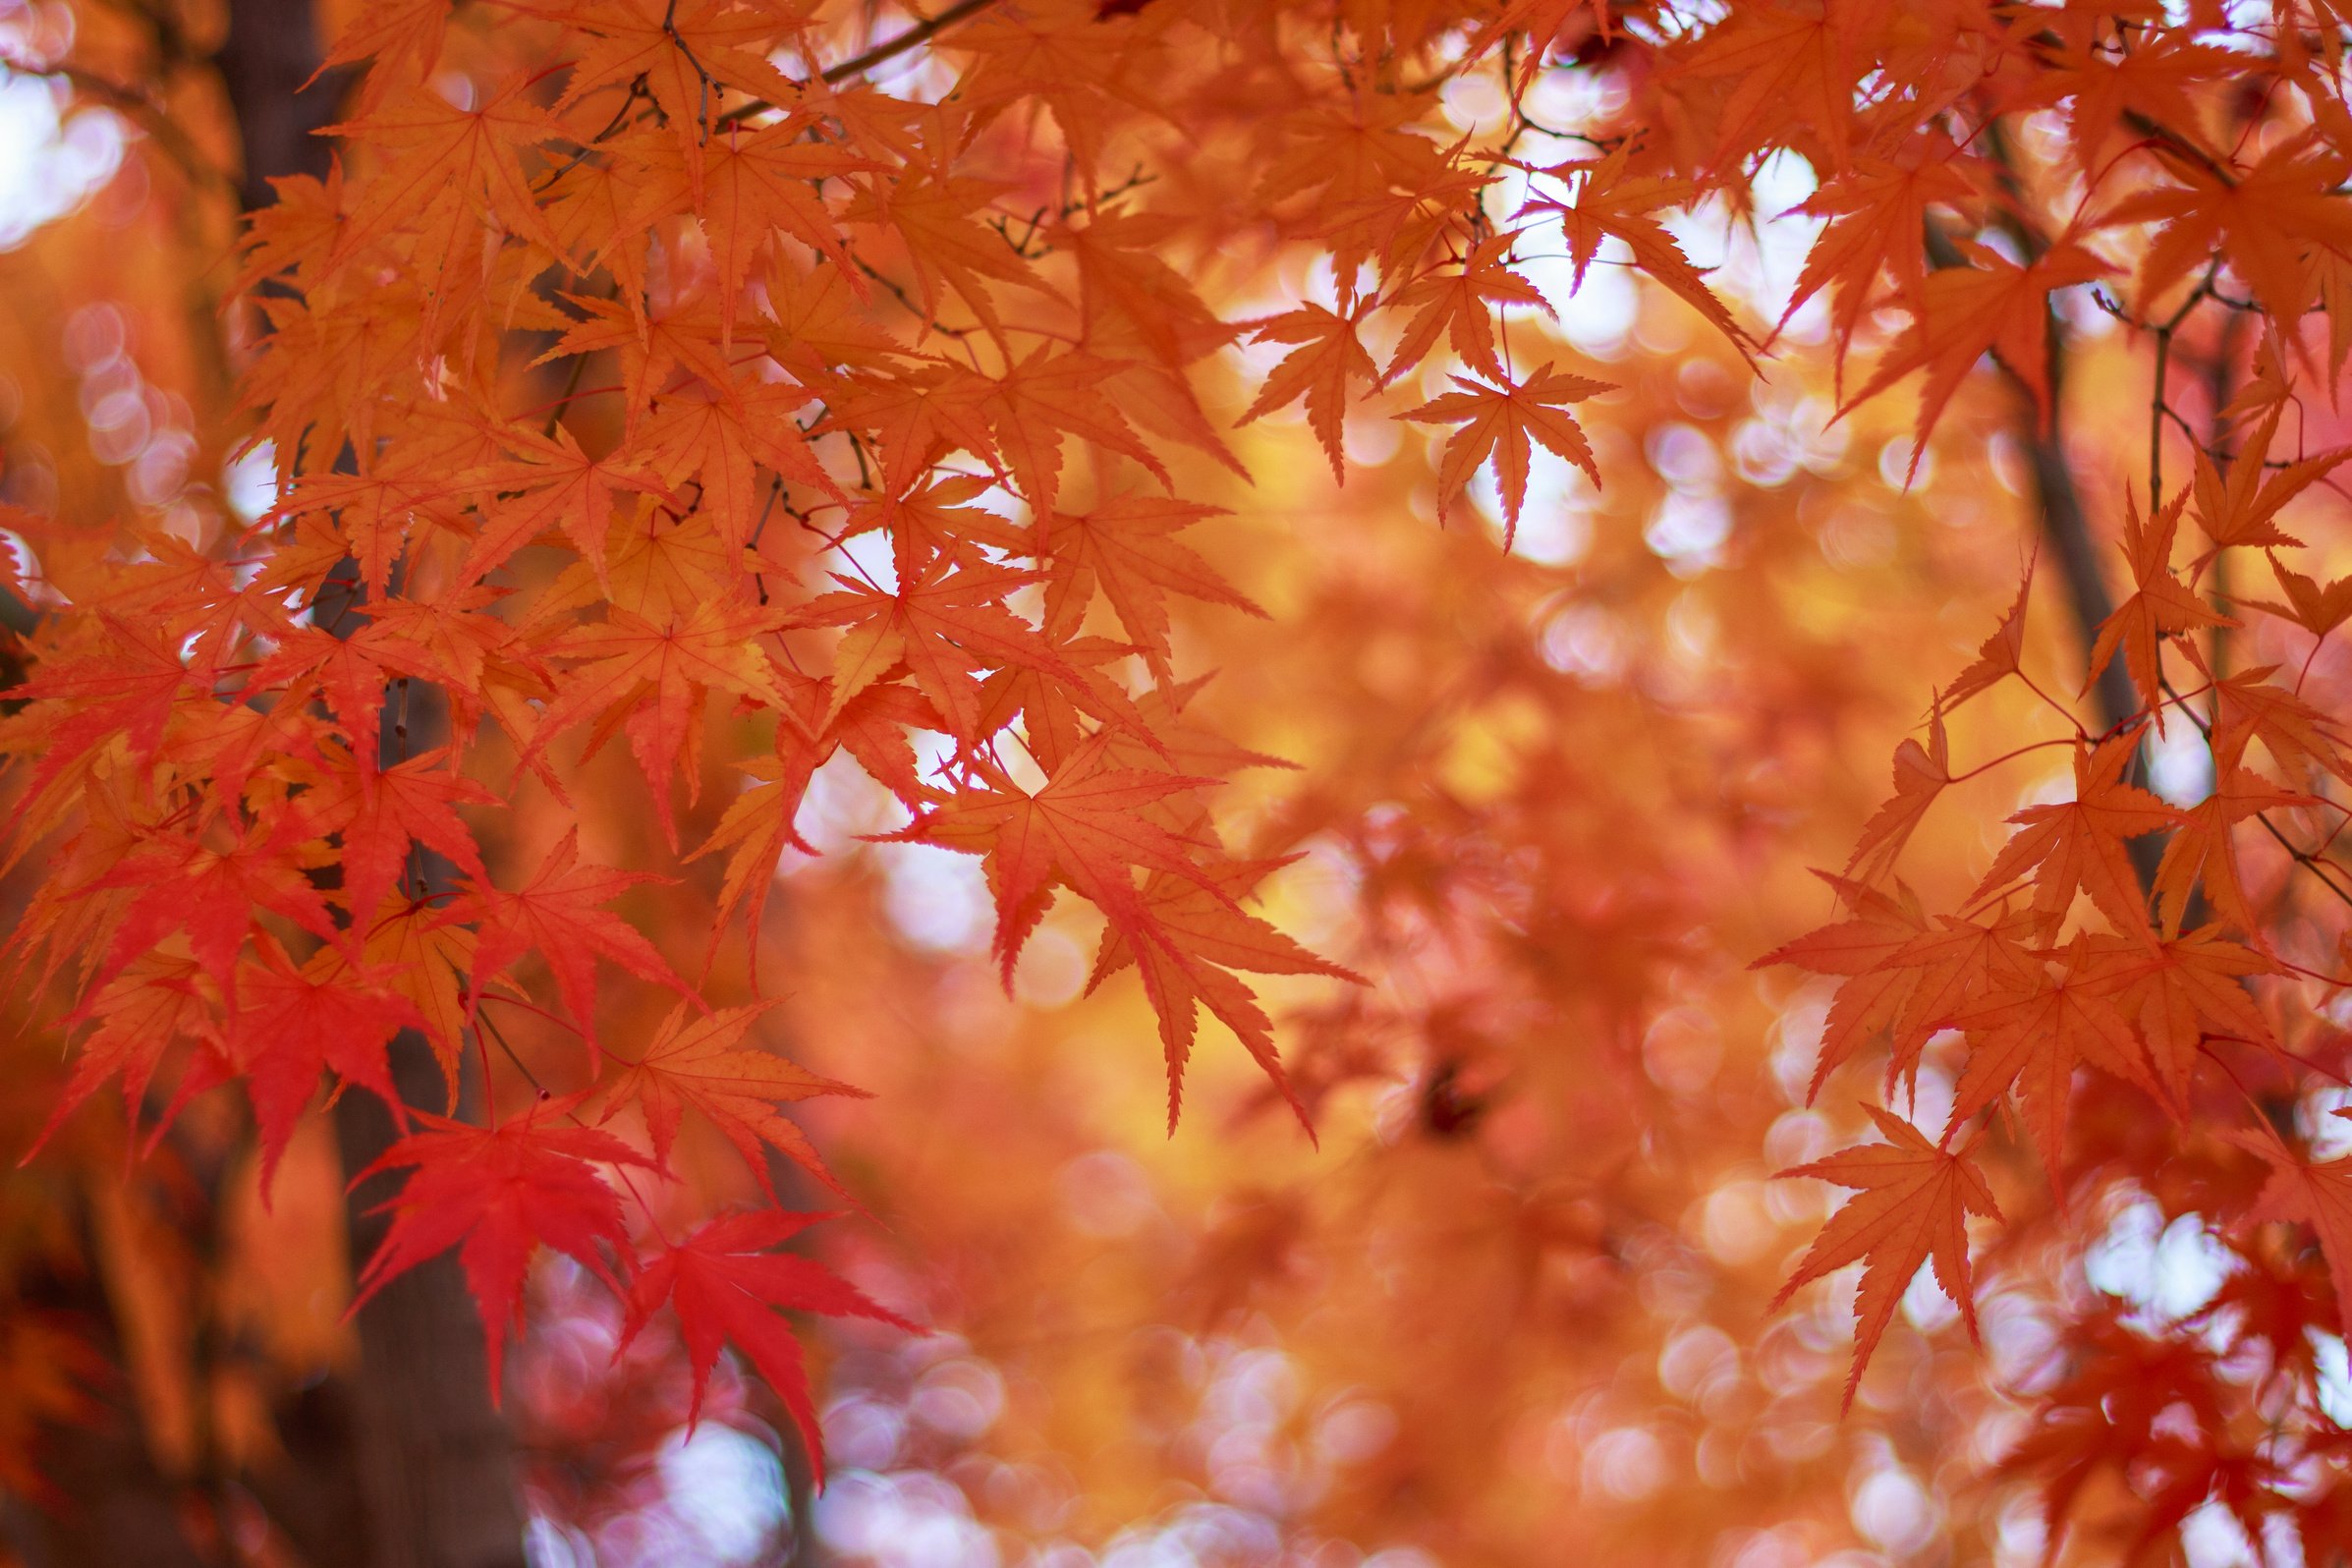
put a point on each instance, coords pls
(2318, 1194)
(556, 914)
(2180, 987)
(1359, 148)
(756, 826)
(557, 486)
(1121, 275)
(447, 151)
(2241, 510)
(674, 53)
(2317, 610)
(1920, 775)
(1183, 939)
(1083, 829)
(2154, 80)
(2203, 851)
(702, 1062)
(2159, 605)
(130, 687)
(651, 342)
(1543, 25)
(408, 804)
(1962, 313)
(346, 671)
(746, 187)
(936, 519)
(425, 960)
(2000, 657)
(373, 512)
(941, 626)
(723, 440)
(2248, 708)
(1610, 204)
(916, 417)
(2032, 1034)
(498, 1194)
(1912, 1207)
(930, 209)
(403, 38)
(654, 675)
(1461, 305)
(1328, 358)
(2078, 843)
(183, 884)
(1876, 211)
(727, 1288)
(292, 1023)
(1045, 396)
(161, 997)
(1125, 546)
(1504, 421)
(1786, 67)
(2263, 220)
(1860, 950)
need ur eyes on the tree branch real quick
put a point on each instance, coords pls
(887, 50)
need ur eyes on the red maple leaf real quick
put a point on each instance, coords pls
(726, 1287)
(498, 1194)
(702, 1062)
(556, 914)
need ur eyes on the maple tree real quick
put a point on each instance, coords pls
(1352, 512)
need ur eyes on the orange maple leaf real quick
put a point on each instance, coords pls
(1084, 828)
(2266, 221)
(1183, 940)
(941, 626)
(1920, 775)
(558, 914)
(1961, 313)
(2001, 655)
(2160, 605)
(2034, 1035)
(446, 152)
(1319, 369)
(2242, 509)
(1505, 421)
(1608, 204)
(2317, 610)
(2078, 843)
(2248, 708)
(2203, 851)
(1125, 546)
(1877, 210)
(1912, 1207)
(1462, 305)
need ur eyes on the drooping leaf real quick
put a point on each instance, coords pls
(728, 1288)
(1912, 1206)
(498, 1194)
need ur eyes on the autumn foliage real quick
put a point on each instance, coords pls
(1358, 519)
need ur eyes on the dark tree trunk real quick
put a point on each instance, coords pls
(435, 1462)
(271, 50)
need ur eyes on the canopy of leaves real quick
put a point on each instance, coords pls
(708, 554)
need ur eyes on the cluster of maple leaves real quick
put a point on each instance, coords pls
(887, 392)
